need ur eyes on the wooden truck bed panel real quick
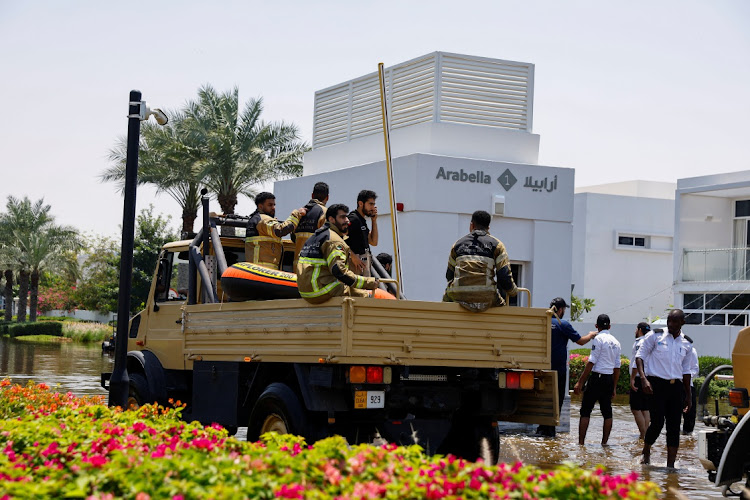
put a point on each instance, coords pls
(422, 332)
(368, 331)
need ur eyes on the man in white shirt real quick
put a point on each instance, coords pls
(639, 401)
(667, 356)
(604, 367)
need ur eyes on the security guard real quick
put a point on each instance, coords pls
(667, 356)
(474, 262)
(263, 233)
(639, 402)
(322, 270)
(604, 367)
(313, 220)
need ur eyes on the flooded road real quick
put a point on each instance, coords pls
(75, 367)
(621, 456)
(64, 366)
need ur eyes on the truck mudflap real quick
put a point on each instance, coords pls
(736, 456)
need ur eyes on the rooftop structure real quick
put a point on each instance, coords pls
(440, 103)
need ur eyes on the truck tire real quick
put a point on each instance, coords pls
(277, 409)
(471, 439)
(138, 392)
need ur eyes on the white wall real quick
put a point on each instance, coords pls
(697, 229)
(629, 284)
(536, 230)
(445, 139)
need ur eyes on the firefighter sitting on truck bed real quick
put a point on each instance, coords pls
(263, 234)
(322, 270)
(474, 261)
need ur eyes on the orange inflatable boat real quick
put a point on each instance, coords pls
(247, 281)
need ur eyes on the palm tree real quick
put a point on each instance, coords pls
(238, 151)
(166, 161)
(32, 243)
(46, 250)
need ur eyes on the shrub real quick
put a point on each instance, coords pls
(707, 363)
(46, 328)
(717, 389)
(86, 332)
(64, 447)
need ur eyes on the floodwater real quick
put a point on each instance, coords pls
(64, 366)
(621, 455)
(75, 367)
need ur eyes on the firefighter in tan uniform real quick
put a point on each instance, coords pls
(263, 234)
(322, 270)
(313, 220)
(475, 261)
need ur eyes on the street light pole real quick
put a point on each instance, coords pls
(119, 383)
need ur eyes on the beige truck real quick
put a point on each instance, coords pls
(405, 371)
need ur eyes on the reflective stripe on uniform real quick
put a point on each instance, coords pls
(254, 239)
(334, 254)
(360, 282)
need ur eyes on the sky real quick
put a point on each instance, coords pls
(623, 90)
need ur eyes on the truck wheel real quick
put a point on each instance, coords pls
(138, 393)
(277, 410)
(472, 440)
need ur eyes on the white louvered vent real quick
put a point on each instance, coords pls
(438, 87)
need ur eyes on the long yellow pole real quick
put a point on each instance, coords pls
(391, 189)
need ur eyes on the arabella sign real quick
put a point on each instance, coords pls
(451, 175)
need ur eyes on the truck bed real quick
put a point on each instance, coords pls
(367, 331)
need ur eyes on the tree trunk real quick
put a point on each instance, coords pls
(8, 295)
(188, 222)
(23, 295)
(227, 202)
(34, 294)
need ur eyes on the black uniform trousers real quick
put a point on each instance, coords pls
(666, 406)
(688, 419)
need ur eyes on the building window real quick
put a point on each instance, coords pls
(742, 208)
(716, 308)
(632, 241)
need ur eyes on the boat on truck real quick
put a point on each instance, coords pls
(405, 371)
(724, 448)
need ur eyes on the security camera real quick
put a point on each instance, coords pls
(147, 112)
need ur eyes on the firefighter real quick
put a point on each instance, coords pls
(313, 220)
(322, 270)
(474, 262)
(263, 233)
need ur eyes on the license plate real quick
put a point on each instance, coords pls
(369, 399)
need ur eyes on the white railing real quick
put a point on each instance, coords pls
(438, 87)
(716, 264)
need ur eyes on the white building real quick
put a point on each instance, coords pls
(712, 257)
(622, 249)
(461, 135)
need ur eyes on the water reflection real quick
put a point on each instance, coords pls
(71, 366)
(621, 456)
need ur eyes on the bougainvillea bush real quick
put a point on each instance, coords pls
(60, 446)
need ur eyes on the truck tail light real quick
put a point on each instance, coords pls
(357, 374)
(527, 380)
(513, 380)
(374, 374)
(738, 398)
(516, 380)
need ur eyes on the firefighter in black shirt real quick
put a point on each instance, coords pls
(475, 260)
(313, 220)
(360, 237)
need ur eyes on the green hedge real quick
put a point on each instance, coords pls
(4, 326)
(706, 364)
(46, 328)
